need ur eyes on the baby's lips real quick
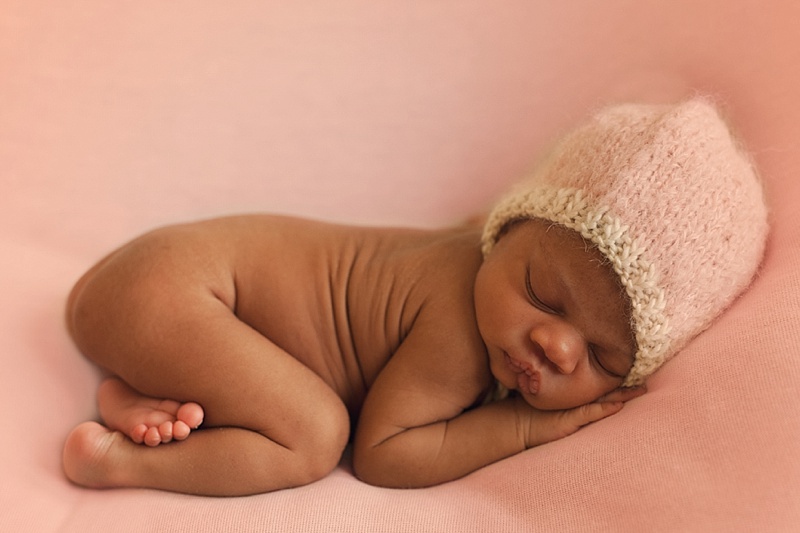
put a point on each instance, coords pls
(528, 382)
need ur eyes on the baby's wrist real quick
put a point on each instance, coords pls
(522, 412)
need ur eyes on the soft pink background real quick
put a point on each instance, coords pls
(118, 117)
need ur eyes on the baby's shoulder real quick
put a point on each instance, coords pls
(447, 276)
(450, 265)
(445, 329)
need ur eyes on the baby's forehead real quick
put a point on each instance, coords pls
(565, 250)
(559, 239)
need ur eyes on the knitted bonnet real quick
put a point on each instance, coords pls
(665, 194)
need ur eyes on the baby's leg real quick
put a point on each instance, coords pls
(145, 420)
(270, 422)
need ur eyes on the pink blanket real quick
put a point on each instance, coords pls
(118, 117)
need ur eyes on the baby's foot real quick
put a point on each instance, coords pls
(90, 455)
(144, 419)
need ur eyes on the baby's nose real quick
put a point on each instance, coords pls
(562, 344)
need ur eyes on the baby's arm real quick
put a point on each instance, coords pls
(416, 428)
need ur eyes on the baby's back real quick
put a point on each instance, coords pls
(340, 299)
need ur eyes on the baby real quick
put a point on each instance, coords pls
(280, 337)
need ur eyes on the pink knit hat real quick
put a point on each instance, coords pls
(666, 195)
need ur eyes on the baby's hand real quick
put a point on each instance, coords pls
(547, 426)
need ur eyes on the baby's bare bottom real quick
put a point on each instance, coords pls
(270, 422)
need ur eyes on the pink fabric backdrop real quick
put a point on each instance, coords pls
(118, 117)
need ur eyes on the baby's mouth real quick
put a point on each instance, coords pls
(528, 379)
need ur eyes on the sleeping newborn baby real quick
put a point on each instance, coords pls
(242, 354)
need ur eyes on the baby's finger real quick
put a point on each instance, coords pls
(592, 412)
(574, 419)
(554, 425)
(623, 394)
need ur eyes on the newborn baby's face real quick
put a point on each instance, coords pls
(553, 316)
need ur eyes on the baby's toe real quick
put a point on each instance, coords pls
(191, 414)
(152, 437)
(180, 430)
(165, 430)
(137, 433)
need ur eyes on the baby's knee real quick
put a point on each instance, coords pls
(324, 442)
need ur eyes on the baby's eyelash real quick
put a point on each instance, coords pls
(528, 287)
(532, 295)
(593, 355)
